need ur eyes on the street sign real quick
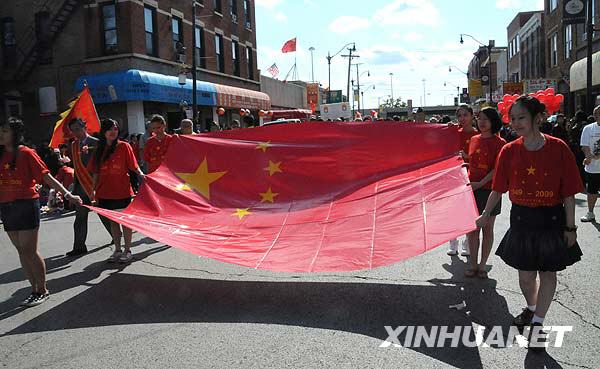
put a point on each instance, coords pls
(336, 96)
(574, 12)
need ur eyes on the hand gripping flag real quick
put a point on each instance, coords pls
(308, 197)
(82, 107)
(289, 46)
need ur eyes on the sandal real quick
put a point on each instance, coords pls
(470, 273)
(483, 274)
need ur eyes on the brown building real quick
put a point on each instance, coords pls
(532, 48)
(513, 33)
(130, 53)
(565, 45)
(494, 68)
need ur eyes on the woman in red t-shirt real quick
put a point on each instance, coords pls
(542, 177)
(21, 169)
(483, 152)
(110, 168)
(464, 115)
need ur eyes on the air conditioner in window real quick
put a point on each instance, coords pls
(181, 58)
(234, 18)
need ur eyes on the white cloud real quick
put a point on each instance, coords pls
(280, 17)
(347, 24)
(269, 4)
(408, 12)
(413, 37)
(521, 5)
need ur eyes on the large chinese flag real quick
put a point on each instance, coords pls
(83, 107)
(308, 197)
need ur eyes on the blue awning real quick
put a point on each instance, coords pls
(138, 85)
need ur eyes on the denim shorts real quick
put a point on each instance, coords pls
(20, 215)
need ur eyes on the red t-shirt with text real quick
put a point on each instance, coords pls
(155, 151)
(483, 153)
(537, 178)
(19, 184)
(66, 176)
(113, 175)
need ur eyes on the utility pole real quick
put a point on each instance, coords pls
(312, 65)
(424, 94)
(350, 57)
(392, 86)
(194, 95)
(590, 33)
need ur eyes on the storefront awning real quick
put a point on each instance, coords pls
(138, 85)
(578, 73)
(235, 97)
(291, 114)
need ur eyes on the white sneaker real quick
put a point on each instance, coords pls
(453, 248)
(589, 217)
(464, 248)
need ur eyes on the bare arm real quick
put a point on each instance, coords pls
(570, 235)
(56, 185)
(492, 201)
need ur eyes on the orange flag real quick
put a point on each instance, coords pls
(83, 108)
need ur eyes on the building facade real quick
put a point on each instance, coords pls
(532, 48)
(130, 53)
(491, 71)
(514, 37)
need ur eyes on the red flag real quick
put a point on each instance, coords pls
(289, 46)
(308, 197)
(83, 107)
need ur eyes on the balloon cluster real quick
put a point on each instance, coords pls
(546, 97)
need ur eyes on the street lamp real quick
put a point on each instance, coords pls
(312, 65)
(457, 89)
(392, 85)
(458, 69)
(489, 52)
(329, 57)
(362, 96)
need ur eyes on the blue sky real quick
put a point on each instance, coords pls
(413, 39)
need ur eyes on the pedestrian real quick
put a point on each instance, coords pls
(559, 130)
(540, 174)
(82, 150)
(156, 147)
(464, 115)
(63, 157)
(21, 170)
(590, 144)
(110, 168)
(187, 127)
(483, 152)
(577, 124)
(419, 115)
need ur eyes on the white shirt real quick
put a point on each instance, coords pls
(590, 137)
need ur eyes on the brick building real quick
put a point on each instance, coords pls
(565, 45)
(513, 33)
(129, 52)
(532, 47)
(495, 66)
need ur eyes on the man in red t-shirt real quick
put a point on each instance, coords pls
(156, 147)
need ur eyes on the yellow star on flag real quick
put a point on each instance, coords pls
(268, 196)
(273, 168)
(531, 170)
(263, 146)
(201, 179)
(241, 213)
(478, 151)
(6, 166)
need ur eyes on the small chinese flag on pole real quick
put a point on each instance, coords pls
(289, 46)
(83, 107)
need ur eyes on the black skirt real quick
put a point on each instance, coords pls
(535, 240)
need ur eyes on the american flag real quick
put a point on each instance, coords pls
(274, 70)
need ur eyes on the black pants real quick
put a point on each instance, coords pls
(80, 227)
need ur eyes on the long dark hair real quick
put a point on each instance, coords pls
(100, 156)
(494, 117)
(17, 128)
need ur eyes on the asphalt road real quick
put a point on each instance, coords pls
(171, 309)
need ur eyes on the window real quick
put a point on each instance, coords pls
(553, 5)
(217, 6)
(177, 35)
(568, 40)
(109, 28)
(250, 62)
(42, 32)
(199, 48)
(149, 24)
(247, 13)
(517, 41)
(554, 50)
(235, 57)
(9, 42)
(233, 10)
(219, 53)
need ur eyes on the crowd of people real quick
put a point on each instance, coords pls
(541, 164)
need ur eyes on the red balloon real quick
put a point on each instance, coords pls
(560, 98)
(262, 113)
